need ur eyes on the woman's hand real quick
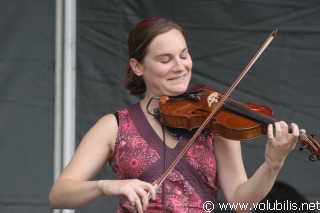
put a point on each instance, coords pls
(280, 143)
(136, 191)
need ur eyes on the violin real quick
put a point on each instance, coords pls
(234, 120)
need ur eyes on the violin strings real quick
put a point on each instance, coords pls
(272, 120)
(259, 114)
(249, 111)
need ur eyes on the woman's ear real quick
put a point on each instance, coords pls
(136, 66)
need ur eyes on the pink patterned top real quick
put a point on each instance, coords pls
(139, 153)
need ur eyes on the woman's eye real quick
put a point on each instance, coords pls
(184, 56)
(165, 60)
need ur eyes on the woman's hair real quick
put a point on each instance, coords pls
(138, 41)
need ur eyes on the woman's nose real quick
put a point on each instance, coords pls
(178, 65)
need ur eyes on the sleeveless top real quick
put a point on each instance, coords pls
(139, 154)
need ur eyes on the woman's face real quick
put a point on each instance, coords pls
(166, 68)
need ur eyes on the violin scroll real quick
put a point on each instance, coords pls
(308, 142)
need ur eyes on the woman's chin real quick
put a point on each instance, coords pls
(178, 91)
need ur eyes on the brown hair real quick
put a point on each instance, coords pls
(138, 41)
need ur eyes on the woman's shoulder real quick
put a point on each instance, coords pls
(107, 119)
(106, 124)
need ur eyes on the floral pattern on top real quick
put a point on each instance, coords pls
(140, 156)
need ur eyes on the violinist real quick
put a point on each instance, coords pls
(139, 148)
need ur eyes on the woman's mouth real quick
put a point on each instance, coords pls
(177, 78)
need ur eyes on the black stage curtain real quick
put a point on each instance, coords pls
(27, 33)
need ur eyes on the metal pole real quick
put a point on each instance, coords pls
(65, 86)
(69, 116)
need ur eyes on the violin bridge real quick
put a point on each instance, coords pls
(213, 98)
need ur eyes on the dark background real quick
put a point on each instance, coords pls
(222, 37)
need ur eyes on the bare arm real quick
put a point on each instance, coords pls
(231, 173)
(75, 187)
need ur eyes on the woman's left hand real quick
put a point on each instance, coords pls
(280, 143)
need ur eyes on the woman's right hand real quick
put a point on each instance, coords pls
(136, 191)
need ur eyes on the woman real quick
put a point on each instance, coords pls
(139, 148)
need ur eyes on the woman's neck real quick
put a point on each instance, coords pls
(149, 102)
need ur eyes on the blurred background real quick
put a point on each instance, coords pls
(61, 66)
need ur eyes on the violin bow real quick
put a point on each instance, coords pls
(217, 107)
